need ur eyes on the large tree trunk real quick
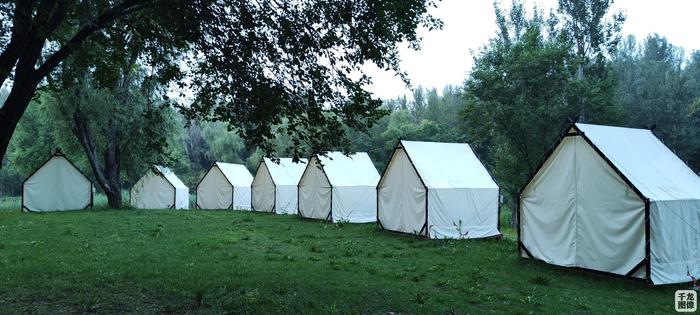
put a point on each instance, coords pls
(112, 166)
(11, 112)
(107, 178)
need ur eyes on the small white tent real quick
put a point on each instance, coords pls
(438, 190)
(340, 188)
(613, 200)
(225, 186)
(159, 188)
(275, 185)
(57, 185)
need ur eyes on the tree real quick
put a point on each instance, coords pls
(521, 90)
(595, 34)
(117, 134)
(657, 87)
(250, 62)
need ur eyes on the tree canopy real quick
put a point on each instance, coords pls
(247, 63)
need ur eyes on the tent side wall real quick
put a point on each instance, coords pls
(214, 190)
(263, 190)
(286, 199)
(401, 199)
(675, 241)
(182, 198)
(57, 185)
(579, 212)
(242, 198)
(152, 192)
(354, 204)
(463, 212)
(314, 192)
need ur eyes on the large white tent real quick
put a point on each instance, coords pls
(225, 186)
(275, 185)
(339, 188)
(613, 200)
(159, 188)
(57, 185)
(438, 190)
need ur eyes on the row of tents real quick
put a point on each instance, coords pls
(607, 199)
(437, 190)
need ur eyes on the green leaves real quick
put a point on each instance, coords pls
(262, 62)
(525, 84)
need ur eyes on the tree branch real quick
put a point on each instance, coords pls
(124, 8)
(21, 23)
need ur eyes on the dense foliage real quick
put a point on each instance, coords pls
(538, 70)
(251, 64)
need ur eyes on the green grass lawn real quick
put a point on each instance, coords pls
(157, 261)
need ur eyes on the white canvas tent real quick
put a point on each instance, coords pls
(613, 200)
(225, 186)
(57, 185)
(275, 186)
(159, 188)
(438, 190)
(340, 188)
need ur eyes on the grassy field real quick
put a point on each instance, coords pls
(159, 261)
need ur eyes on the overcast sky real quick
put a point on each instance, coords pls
(446, 55)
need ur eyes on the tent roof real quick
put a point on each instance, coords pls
(355, 170)
(286, 172)
(448, 165)
(169, 176)
(236, 174)
(648, 164)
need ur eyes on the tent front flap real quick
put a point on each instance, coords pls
(153, 191)
(314, 192)
(578, 212)
(57, 185)
(402, 196)
(214, 191)
(263, 190)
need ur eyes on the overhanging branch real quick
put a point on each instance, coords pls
(126, 7)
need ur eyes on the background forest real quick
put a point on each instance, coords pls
(537, 71)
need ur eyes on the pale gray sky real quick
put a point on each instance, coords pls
(446, 56)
